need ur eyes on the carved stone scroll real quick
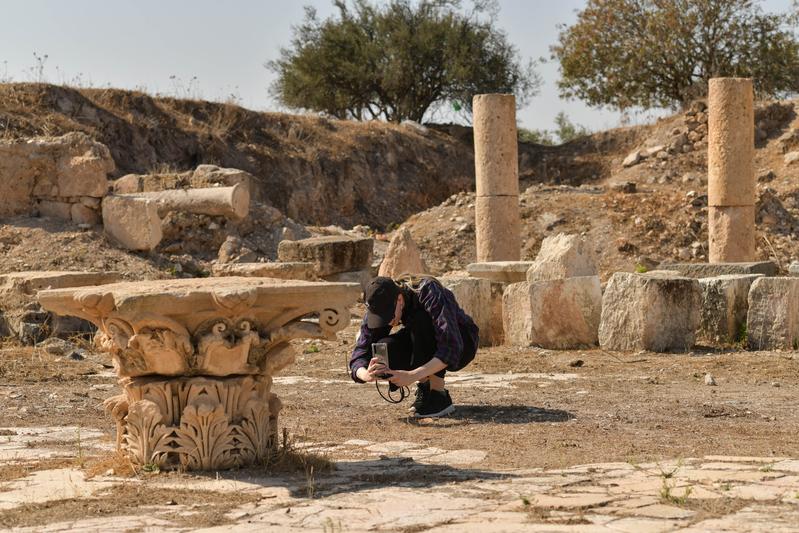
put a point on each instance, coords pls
(196, 359)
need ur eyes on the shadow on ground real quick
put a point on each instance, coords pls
(497, 414)
(361, 475)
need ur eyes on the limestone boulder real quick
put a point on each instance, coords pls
(724, 308)
(330, 255)
(563, 256)
(132, 221)
(500, 271)
(554, 314)
(481, 299)
(402, 256)
(649, 312)
(773, 319)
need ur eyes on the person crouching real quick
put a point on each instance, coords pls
(436, 336)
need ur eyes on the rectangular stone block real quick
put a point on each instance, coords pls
(711, 270)
(330, 255)
(498, 228)
(731, 234)
(642, 312)
(772, 322)
(724, 308)
(481, 299)
(556, 314)
(301, 271)
(132, 221)
(500, 271)
(48, 208)
(362, 277)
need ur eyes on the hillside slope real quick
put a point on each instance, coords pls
(314, 169)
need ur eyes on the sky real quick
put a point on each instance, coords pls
(216, 50)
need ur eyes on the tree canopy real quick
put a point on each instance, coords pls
(397, 60)
(648, 53)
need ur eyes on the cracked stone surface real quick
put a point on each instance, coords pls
(396, 485)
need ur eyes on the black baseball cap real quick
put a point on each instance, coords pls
(381, 301)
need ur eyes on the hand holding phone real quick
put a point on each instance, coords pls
(380, 352)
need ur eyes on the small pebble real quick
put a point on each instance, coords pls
(775, 383)
(710, 380)
(576, 363)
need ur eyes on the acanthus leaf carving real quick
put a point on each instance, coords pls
(146, 438)
(205, 439)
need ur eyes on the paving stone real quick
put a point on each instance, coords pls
(643, 525)
(570, 501)
(744, 459)
(48, 485)
(457, 457)
(660, 510)
(787, 465)
(393, 447)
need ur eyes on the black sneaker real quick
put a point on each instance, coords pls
(437, 404)
(422, 392)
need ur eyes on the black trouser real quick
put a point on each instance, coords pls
(415, 344)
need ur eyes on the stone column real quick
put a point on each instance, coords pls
(731, 173)
(497, 221)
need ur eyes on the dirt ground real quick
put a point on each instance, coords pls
(525, 407)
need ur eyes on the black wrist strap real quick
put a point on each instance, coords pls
(404, 393)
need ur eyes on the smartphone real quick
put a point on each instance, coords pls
(380, 352)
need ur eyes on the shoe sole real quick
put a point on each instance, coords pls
(443, 412)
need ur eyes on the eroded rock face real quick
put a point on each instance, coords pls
(563, 256)
(724, 308)
(331, 255)
(660, 313)
(481, 299)
(402, 257)
(554, 314)
(773, 319)
(50, 174)
(232, 331)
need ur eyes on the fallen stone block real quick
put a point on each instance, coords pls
(772, 322)
(724, 308)
(48, 208)
(500, 271)
(711, 270)
(481, 299)
(402, 257)
(22, 315)
(231, 202)
(649, 312)
(301, 271)
(132, 221)
(555, 314)
(563, 256)
(362, 277)
(330, 255)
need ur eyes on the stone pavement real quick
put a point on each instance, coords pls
(391, 486)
